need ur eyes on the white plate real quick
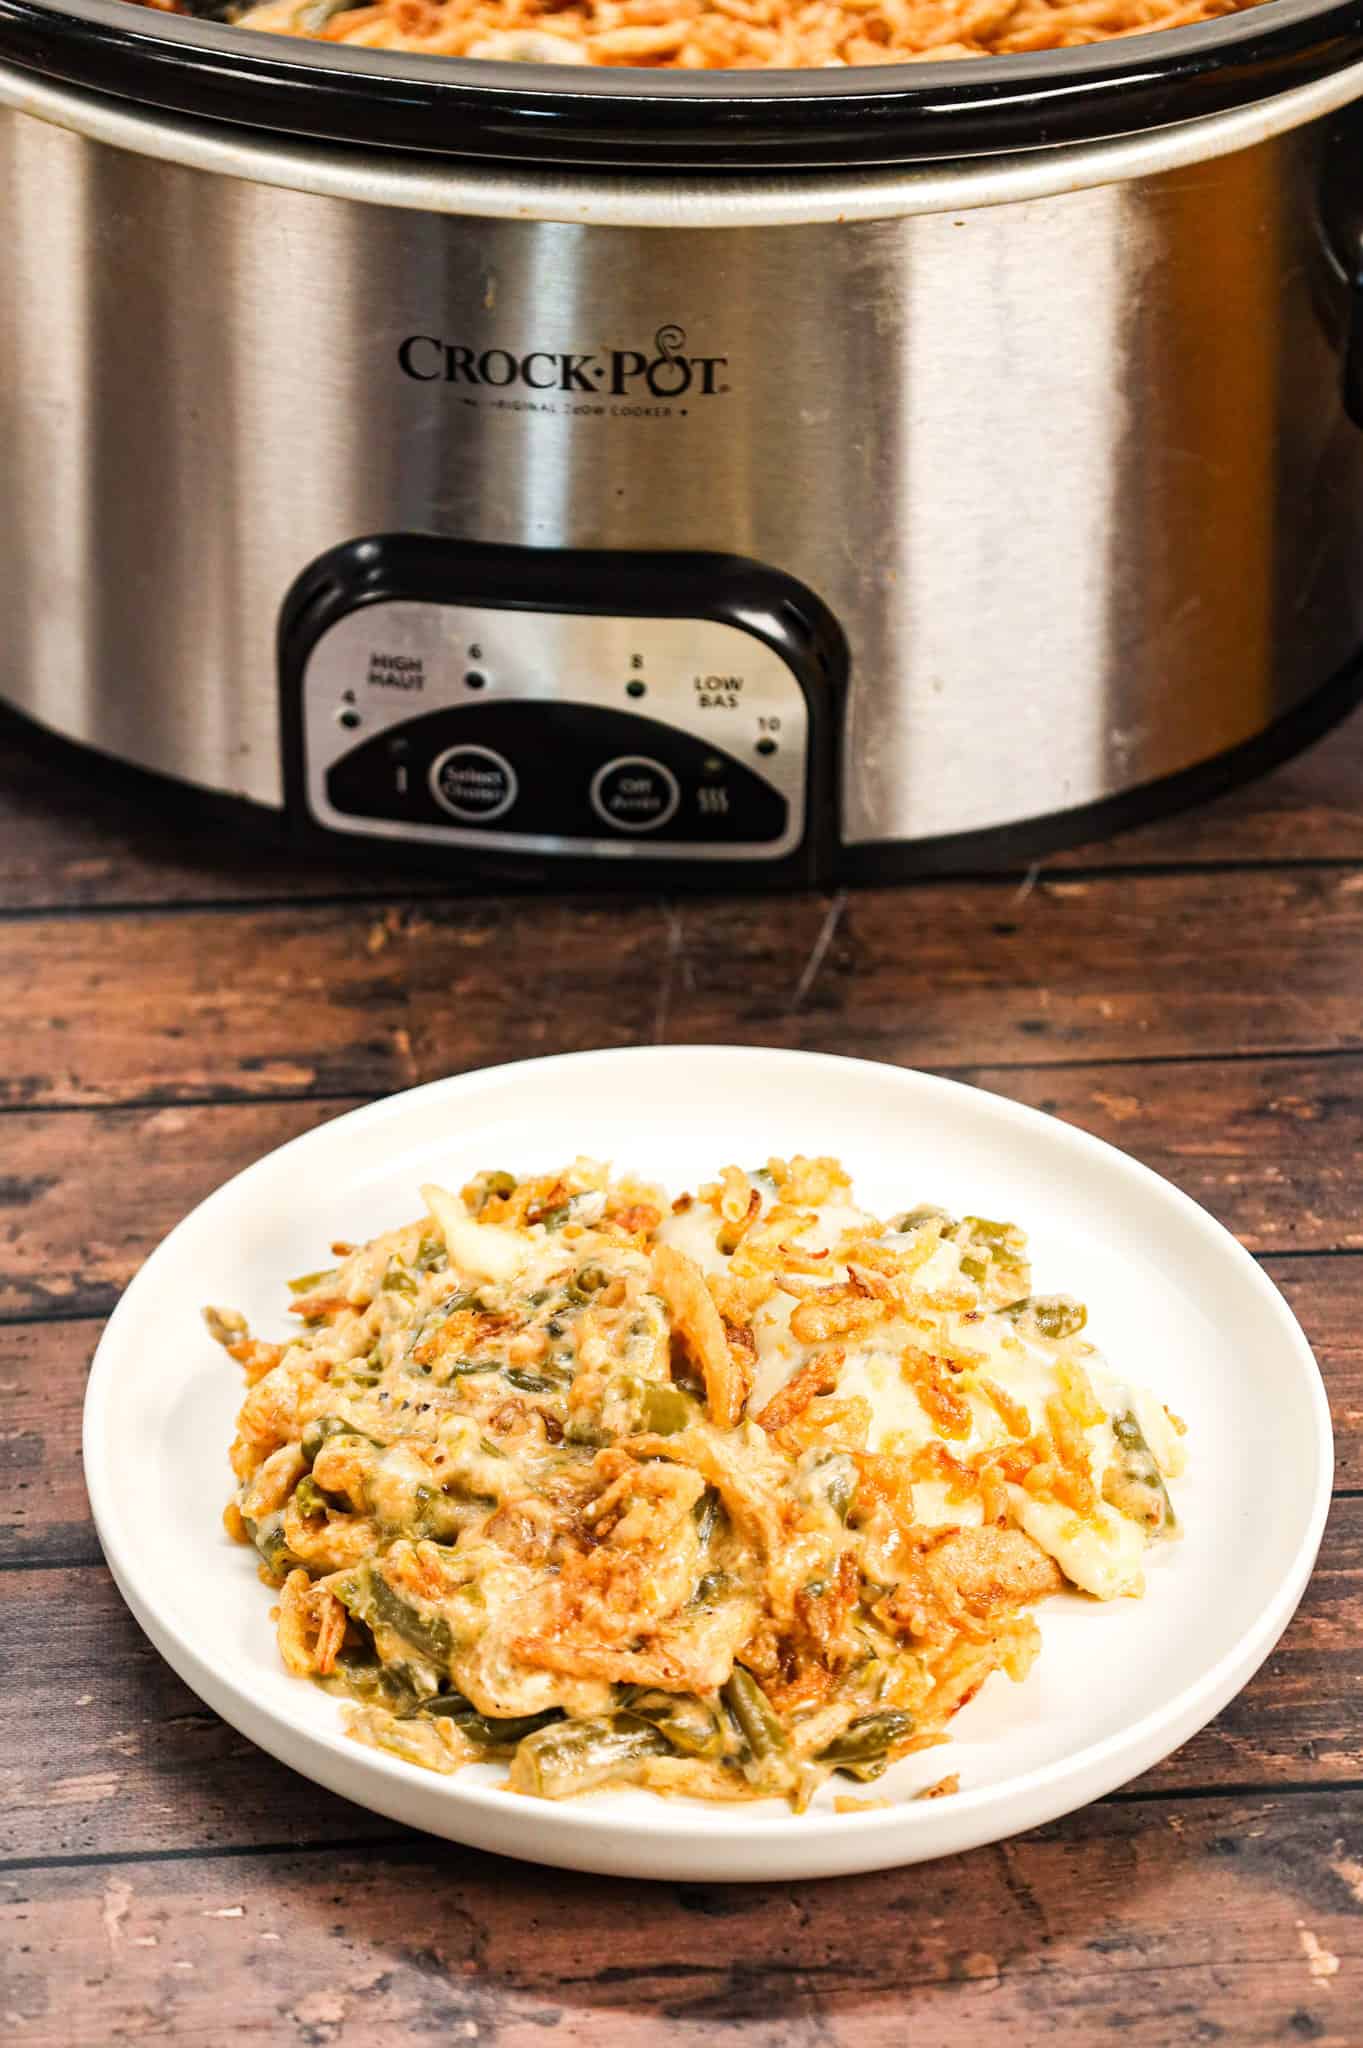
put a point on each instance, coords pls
(1173, 1300)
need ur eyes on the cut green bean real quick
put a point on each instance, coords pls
(321, 1430)
(466, 1298)
(572, 1756)
(1133, 1483)
(768, 1761)
(226, 1325)
(309, 1498)
(838, 1476)
(488, 1732)
(666, 1408)
(589, 1280)
(688, 1723)
(590, 1434)
(315, 14)
(305, 1282)
(273, 1547)
(708, 1511)
(365, 1372)
(1053, 1316)
(1000, 1237)
(429, 1633)
(396, 1685)
(865, 1741)
(914, 1219)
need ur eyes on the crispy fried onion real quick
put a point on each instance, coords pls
(962, 1580)
(818, 1375)
(842, 1311)
(724, 1368)
(731, 1234)
(256, 1356)
(618, 1612)
(749, 1490)
(311, 1626)
(272, 1482)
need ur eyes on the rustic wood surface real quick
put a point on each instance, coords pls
(174, 1002)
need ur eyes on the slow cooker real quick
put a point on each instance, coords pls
(744, 476)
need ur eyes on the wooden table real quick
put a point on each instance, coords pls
(172, 1005)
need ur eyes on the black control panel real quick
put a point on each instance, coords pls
(614, 712)
(566, 771)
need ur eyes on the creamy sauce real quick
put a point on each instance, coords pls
(1100, 1552)
(538, 1459)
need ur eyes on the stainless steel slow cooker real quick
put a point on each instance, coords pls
(790, 476)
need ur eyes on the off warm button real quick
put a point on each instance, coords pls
(473, 783)
(635, 794)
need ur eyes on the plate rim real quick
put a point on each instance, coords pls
(878, 1838)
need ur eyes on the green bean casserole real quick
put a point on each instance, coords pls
(719, 1495)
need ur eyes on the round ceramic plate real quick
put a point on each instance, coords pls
(1173, 1300)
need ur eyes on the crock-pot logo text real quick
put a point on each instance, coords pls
(664, 371)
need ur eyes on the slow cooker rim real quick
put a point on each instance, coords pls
(642, 120)
(587, 196)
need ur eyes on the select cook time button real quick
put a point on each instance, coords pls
(473, 783)
(635, 794)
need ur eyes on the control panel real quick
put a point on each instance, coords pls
(609, 708)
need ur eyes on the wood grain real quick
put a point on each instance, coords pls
(343, 1000)
(74, 833)
(44, 1514)
(79, 833)
(87, 1197)
(346, 1000)
(1157, 1923)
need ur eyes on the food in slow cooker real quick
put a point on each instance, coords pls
(718, 35)
(721, 1496)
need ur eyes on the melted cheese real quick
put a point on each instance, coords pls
(485, 1251)
(1100, 1552)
